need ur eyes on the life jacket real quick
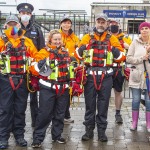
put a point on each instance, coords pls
(14, 60)
(98, 53)
(60, 63)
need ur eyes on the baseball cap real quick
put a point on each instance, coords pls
(115, 20)
(65, 18)
(103, 16)
(11, 18)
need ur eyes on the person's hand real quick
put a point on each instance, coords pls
(126, 46)
(148, 48)
(146, 57)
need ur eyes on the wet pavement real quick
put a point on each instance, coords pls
(119, 136)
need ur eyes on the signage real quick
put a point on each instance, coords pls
(125, 13)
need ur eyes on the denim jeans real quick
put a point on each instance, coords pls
(136, 94)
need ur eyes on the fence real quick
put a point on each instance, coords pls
(49, 22)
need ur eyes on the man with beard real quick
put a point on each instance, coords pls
(98, 50)
(118, 77)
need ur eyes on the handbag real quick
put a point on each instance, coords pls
(127, 73)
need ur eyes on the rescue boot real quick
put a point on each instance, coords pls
(135, 116)
(88, 134)
(148, 121)
(102, 136)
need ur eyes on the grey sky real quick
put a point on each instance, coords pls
(57, 4)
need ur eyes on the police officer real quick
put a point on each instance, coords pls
(35, 34)
(70, 42)
(15, 49)
(97, 49)
(118, 77)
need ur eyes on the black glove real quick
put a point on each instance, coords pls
(41, 63)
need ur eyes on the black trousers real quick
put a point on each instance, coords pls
(67, 112)
(33, 106)
(97, 99)
(12, 108)
(52, 107)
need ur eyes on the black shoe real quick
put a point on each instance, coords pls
(3, 144)
(88, 135)
(36, 144)
(21, 142)
(102, 137)
(119, 119)
(60, 140)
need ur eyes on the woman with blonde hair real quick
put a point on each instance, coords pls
(138, 57)
(56, 71)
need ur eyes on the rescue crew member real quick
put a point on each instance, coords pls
(70, 42)
(118, 77)
(15, 51)
(55, 86)
(98, 50)
(35, 34)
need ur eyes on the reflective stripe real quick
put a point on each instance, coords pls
(95, 72)
(100, 72)
(78, 53)
(52, 85)
(116, 64)
(36, 67)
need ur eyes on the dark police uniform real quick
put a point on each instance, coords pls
(35, 34)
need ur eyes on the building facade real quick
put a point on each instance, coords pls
(129, 14)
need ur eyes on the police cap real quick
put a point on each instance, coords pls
(25, 7)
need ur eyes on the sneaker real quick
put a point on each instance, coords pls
(119, 119)
(69, 120)
(3, 144)
(21, 142)
(36, 144)
(61, 140)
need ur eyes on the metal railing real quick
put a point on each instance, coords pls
(49, 22)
